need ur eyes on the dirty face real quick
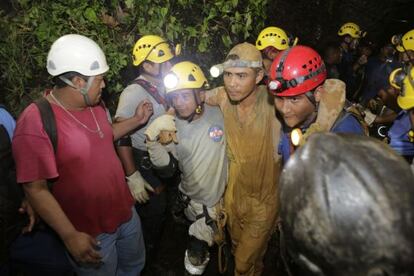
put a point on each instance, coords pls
(270, 52)
(294, 110)
(240, 82)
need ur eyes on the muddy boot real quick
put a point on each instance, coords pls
(196, 257)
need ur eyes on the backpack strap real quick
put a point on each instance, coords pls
(48, 120)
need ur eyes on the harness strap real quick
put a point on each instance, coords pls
(153, 91)
(218, 227)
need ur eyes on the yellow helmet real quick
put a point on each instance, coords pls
(152, 48)
(276, 37)
(351, 29)
(184, 75)
(405, 42)
(403, 79)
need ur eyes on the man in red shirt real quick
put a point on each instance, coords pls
(89, 205)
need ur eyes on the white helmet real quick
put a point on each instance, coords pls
(76, 53)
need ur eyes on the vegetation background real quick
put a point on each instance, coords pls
(206, 29)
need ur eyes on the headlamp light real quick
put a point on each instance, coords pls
(216, 70)
(170, 81)
(296, 137)
(274, 85)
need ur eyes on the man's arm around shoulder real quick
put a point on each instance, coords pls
(215, 96)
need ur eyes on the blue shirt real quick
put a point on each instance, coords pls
(398, 135)
(377, 73)
(346, 124)
(7, 121)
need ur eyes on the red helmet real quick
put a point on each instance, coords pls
(296, 71)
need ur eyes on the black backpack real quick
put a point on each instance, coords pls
(11, 193)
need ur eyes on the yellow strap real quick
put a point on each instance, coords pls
(220, 237)
(222, 260)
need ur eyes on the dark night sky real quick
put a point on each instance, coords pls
(315, 21)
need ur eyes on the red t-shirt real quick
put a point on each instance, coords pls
(90, 183)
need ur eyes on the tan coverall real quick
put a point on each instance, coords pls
(251, 196)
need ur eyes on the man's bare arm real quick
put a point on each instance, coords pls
(123, 126)
(216, 96)
(79, 244)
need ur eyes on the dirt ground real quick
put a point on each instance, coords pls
(170, 258)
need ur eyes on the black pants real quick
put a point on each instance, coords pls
(152, 213)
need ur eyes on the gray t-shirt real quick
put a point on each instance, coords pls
(132, 95)
(201, 153)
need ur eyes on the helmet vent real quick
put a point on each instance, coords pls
(161, 53)
(191, 77)
(94, 65)
(52, 65)
(144, 46)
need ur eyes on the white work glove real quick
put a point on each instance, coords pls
(165, 122)
(138, 187)
(158, 154)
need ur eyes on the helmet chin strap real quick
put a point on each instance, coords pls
(198, 110)
(309, 120)
(312, 117)
(311, 97)
(84, 90)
